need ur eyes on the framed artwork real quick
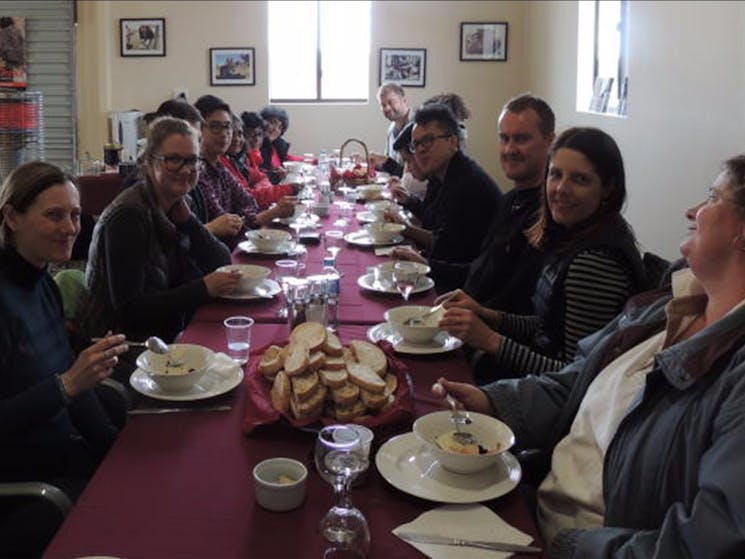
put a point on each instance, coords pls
(483, 41)
(408, 67)
(143, 37)
(232, 66)
(13, 52)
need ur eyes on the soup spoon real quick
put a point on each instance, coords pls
(153, 343)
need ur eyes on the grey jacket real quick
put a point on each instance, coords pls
(673, 473)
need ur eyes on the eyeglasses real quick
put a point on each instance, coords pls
(217, 127)
(426, 142)
(257, 133)
(175, 163)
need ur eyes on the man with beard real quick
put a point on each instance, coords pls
(505, 273)
(395, 107)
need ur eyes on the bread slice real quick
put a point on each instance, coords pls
(334, 364)
(316, 361)
(310, 408)
(303, 386)
(271, 362)
(391, 383)
(346, 395)
(370, 355)
(364, 377)
(332, 345)
(347, 355)
(372, 400)
(280, 392)
(313, 334)
(333, 379)
(349, 413)
(297, 359)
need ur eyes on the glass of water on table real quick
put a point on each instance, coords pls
(238, 335)
(285, 271)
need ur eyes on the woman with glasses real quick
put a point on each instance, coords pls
(591, 266)
(275, 150)
(151, 261)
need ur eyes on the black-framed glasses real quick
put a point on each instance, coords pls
(426, 142)
(217, 127)
(175, 163)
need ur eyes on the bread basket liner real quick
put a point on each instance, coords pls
(259, 410)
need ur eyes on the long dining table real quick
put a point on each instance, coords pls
(179, 485)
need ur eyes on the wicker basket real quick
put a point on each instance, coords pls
(338, 177)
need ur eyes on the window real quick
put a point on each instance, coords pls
(602, 59)
(319, 51)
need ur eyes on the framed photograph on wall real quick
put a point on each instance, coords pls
(483, 41)
(142, 37)
(408, 67)
(232, 66)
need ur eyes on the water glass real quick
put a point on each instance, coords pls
(332, 239)
(285, 272)
(405, 276)
(238, 334)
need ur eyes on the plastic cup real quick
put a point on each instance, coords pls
(238, 335)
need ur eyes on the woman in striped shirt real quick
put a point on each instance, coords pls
(591, 266)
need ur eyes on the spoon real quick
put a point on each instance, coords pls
(459, 418)
(421, 319)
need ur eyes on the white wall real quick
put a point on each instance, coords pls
(686, 101)
(107, 81)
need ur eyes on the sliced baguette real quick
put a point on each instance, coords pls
(280, 392)
(297, 359)
(370, 355)
(348, 413)
(346, 395)
(271, 361)
(372, 400)
(364, 377)
(313, 334)
(333, 379)
(310, 408)
(303, 386)
(391, 383)
(332, 345)
(316, 361)
(334, 364)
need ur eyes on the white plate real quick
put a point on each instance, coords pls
(271, 288)
(442, 342)
(367, 281)
(367, 217)
(219, 379)
(406, 464)
(250, 248)
(361, 238)
(310, 221)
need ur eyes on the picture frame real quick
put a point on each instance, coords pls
(483, 41)
(407, 67)
(232, 66)
(142, 37)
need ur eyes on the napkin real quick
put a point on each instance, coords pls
(469, 522)
(223, 364)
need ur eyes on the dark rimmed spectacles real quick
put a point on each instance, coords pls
(175, 163)
(426, 142)
(217, 127)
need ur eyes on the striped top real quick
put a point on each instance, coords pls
(597, 286)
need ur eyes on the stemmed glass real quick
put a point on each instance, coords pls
(340, 458)
(285, 272)
(405, 276)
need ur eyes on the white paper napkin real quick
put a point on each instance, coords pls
(223, 364)
(470, 522)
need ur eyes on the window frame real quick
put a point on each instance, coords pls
(622, 75)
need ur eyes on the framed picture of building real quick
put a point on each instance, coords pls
(232, 66)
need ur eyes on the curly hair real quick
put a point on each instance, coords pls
(273, 111)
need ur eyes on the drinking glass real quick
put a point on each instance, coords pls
(299, 254)
(340, 458)
(285, 272)
(405, 276)
(238, 334)
(332, 239)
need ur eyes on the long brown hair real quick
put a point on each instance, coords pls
(602, 152)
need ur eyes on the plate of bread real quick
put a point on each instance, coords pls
(315, 377)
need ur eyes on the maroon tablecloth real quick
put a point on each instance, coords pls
(180, 485)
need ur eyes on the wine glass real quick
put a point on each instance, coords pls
(405, 276)
(340, 458)
(332, 239)
(285, 272)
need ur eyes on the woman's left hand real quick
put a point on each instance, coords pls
(180, 212)
(285, 206)
(465, 325)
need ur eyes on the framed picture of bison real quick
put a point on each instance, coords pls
(232, 66)
(143, 37)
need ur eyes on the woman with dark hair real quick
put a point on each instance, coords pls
(53, 427)
(151, 261)
(275, 150)
(591, 265)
